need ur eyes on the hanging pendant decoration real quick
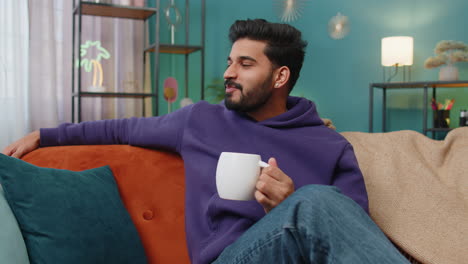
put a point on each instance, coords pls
(173, 18)
(290, 10)
(338, 26)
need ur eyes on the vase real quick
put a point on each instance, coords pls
(442, 119)
(448, 73)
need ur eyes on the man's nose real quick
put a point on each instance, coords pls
(230, 72)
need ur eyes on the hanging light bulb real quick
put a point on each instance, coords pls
(338, 26)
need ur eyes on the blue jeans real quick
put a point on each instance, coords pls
(316, 224)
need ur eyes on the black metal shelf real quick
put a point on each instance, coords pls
(421, 84)
(425, 85)
(115, 11)
(174, 49)
(114, 94)
(86, 8)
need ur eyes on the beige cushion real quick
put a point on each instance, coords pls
(418, 191)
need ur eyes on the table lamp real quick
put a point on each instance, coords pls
(396, 52)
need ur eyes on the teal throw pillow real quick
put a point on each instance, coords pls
(70, 217)
(12, 248)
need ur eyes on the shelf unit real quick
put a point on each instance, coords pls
(425, 85)
(139, 13)
(83, 8)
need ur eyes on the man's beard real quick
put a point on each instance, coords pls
(250, 101)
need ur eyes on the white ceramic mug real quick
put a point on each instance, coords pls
(237, 175)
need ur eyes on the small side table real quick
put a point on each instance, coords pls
(425, 85)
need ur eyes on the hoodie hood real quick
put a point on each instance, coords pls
(301, 112)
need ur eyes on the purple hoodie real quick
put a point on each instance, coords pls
(306, 150)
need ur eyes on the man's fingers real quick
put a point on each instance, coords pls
(266, 203)
(16, 155)
(272, 162)
(24, 145)
(7, 151)
(274, 172)
(273, 169)
(271, 188)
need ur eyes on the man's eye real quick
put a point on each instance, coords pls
(246, 65)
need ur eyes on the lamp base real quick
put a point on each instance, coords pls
(405, 75)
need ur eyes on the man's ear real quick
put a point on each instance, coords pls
(281, 76)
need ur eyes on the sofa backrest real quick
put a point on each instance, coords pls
(418, 190)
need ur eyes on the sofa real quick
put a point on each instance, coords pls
(418, 191)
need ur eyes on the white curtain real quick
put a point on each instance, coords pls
(14, 79)
(36, 66)
(50, 62)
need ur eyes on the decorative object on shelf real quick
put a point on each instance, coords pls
(442, 112)
(442, 106)
(448, 52)
(185, 102)
(290, 10)
(173, 18)
(170, 91)
(93, 63)
(397, 52)
(442, 119)
(338, 26)
(463, 118)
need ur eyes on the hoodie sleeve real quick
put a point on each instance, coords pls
(152, 132)
(348, 178)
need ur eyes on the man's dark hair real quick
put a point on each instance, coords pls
(285, 46)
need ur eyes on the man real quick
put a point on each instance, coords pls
(286, 223)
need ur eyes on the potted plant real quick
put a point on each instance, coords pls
(216, 90)
(448, 52)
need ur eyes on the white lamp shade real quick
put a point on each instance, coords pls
(397, 51)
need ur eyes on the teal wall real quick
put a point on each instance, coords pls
(337, 73)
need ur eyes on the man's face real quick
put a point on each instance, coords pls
(248, 77)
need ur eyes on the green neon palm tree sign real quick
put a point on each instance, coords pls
(93, 63)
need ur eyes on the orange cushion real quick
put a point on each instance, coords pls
(151, 184)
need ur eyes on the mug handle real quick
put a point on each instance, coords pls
(263, 164)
